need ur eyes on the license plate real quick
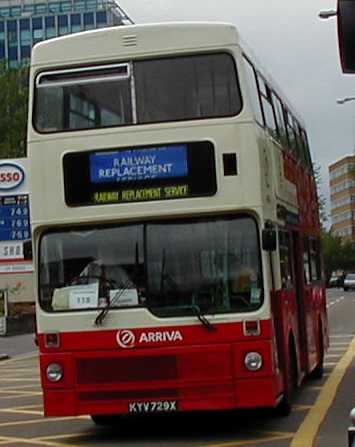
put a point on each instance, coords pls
(155, 406)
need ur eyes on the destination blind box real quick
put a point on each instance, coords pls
(137, 174)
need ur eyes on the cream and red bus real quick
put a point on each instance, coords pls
(175, 225)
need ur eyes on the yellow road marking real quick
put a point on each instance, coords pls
(338, 343)
(30, 393)
(271, 436)
(11, 387)
(309, 428)
(19, 359)
(16, 441)
(314, 387)
(20, 369)
(68, 435)
(338, 348)
(29, 366)
(19, 411)
(266, 437)
(19, 377)
(16, 397)
(25, 379)
(54, 444)
(35, 421)
(301, 407)
(25, 407)
(341, 336)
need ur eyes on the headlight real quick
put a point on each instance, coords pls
(253, 361)
(54, 372)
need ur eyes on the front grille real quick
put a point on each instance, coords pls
(109, 370)
(89, 396)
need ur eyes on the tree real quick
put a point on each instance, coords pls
(332, 253)
(323, 216)
(337, 254)
(13, 111)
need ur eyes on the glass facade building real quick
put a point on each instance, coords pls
(24, 23)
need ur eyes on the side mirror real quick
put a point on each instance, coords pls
(269, 239)
(27, 251)
(346, 34)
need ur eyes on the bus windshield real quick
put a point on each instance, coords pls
(171, 268)
(139, 92)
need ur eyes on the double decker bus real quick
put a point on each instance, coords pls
(175, 226)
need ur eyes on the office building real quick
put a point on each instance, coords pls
(24, 23)
(342, 197)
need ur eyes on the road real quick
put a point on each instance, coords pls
(22, 422)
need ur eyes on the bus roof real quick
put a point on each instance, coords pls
(130, 41)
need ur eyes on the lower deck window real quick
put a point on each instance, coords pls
(173, 268)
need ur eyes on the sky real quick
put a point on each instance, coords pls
(297, 48)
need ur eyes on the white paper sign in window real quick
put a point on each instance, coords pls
(84, 296)
(124, 297)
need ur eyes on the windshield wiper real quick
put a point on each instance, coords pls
(166, 278)
(197, 311)
(101, 316)
(203, 319)
(162, 273)
(128, 284)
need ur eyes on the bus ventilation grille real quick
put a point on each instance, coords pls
(136, 369)
(89, 396)
(129, 40)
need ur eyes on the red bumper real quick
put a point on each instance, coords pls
(207, 377)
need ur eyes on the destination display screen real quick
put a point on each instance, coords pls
(143, 173)
(139, 164)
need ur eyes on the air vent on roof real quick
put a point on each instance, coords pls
(129, 40)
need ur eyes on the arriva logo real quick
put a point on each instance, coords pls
(11, 176)
(127, 339)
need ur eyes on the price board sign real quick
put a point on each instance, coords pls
(15, 228)
(15, 218)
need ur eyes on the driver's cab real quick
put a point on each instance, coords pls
(101, 282)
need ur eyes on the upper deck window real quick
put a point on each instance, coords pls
(147, 91)
(82, 99)
(186, 88)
